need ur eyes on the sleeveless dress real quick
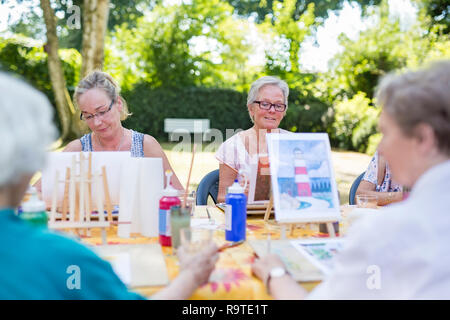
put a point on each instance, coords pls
(137, 143)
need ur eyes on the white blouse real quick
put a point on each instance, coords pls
(401, 253)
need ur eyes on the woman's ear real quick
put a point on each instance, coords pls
(119, 104)
(250, 110)
(425, 137)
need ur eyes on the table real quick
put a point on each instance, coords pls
(232, 278)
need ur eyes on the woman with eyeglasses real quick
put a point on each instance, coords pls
(267, 104)
(103, 110)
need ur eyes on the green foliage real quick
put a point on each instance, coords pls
(436, 13)
(162, 47)
(225, 108)
(355, 121)
(373, 143)
(260, 9)
(26, 57)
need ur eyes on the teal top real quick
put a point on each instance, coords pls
(37, 263)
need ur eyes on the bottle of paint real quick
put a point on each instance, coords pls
(33, 210)
(169, 199)
(235, 213)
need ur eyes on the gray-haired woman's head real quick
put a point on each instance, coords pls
(101, 80)
(264, 81)
(26, 129)
(420, 97)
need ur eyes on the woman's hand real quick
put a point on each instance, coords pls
(199, 265)
(262, 266)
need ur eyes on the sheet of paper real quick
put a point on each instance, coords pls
(147, 266)
(297, 264)
(205, 224)
(321, 253)
(121, 264)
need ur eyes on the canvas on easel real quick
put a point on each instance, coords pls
(303, 184)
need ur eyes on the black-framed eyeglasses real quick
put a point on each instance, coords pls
(279, 107)
(89, 117)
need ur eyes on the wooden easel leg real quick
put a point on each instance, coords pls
(331, 230)
(65, 204)
(268, 209)
(107, 196)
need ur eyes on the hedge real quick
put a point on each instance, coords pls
(225, 108)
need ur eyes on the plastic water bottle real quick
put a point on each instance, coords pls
(33, 210)
(235, 213)
(169, 199)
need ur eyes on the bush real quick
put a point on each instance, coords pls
(225, 108)
(24, 57)
(355, 120)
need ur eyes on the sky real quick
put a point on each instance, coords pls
(315, 55)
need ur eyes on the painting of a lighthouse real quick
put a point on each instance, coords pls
(302, 176)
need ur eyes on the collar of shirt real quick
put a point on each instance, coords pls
(436, 175)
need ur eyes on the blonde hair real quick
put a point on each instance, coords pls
(101, 80)
(420, 97)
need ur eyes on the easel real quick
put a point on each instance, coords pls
(293, 225)
(77, 199)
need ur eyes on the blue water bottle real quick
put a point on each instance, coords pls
(235, 213)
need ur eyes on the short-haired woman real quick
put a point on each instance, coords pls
(36, 262)
(267, 103)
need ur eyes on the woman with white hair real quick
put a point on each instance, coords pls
(37, 263)
(403, 252)
(267, 104)
(103, 109)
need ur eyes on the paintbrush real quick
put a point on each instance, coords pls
(230, 245)
(189, 178)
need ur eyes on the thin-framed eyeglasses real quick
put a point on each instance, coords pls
(100, 114)
(279, 107)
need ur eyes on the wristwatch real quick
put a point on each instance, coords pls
(275, 272)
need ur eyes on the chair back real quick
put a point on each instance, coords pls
(354, 187)
(209, 186)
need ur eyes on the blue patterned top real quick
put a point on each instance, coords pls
(137, 143)
(372, 176)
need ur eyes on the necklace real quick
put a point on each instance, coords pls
(120, 144)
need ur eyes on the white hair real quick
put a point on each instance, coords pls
(267, 80)
(264, 81)
(26, 129)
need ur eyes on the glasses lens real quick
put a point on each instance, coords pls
(280, 107)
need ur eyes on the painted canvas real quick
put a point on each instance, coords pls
(304, 188)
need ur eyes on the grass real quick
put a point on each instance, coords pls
(347, 166)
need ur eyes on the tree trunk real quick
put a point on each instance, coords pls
(70, 126)
(88, 44)
(100, 32)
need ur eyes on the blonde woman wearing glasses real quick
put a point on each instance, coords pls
(103, 109)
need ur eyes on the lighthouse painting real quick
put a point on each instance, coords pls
(302, 176)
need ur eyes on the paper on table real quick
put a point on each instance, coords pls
(204, 224)
(151, 179)
(300, 268)
(128, 205)
(321, 253)
(146, 263)
(121, 264)
(140, 191)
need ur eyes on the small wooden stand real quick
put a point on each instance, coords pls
(293, 225)
(77, 199)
